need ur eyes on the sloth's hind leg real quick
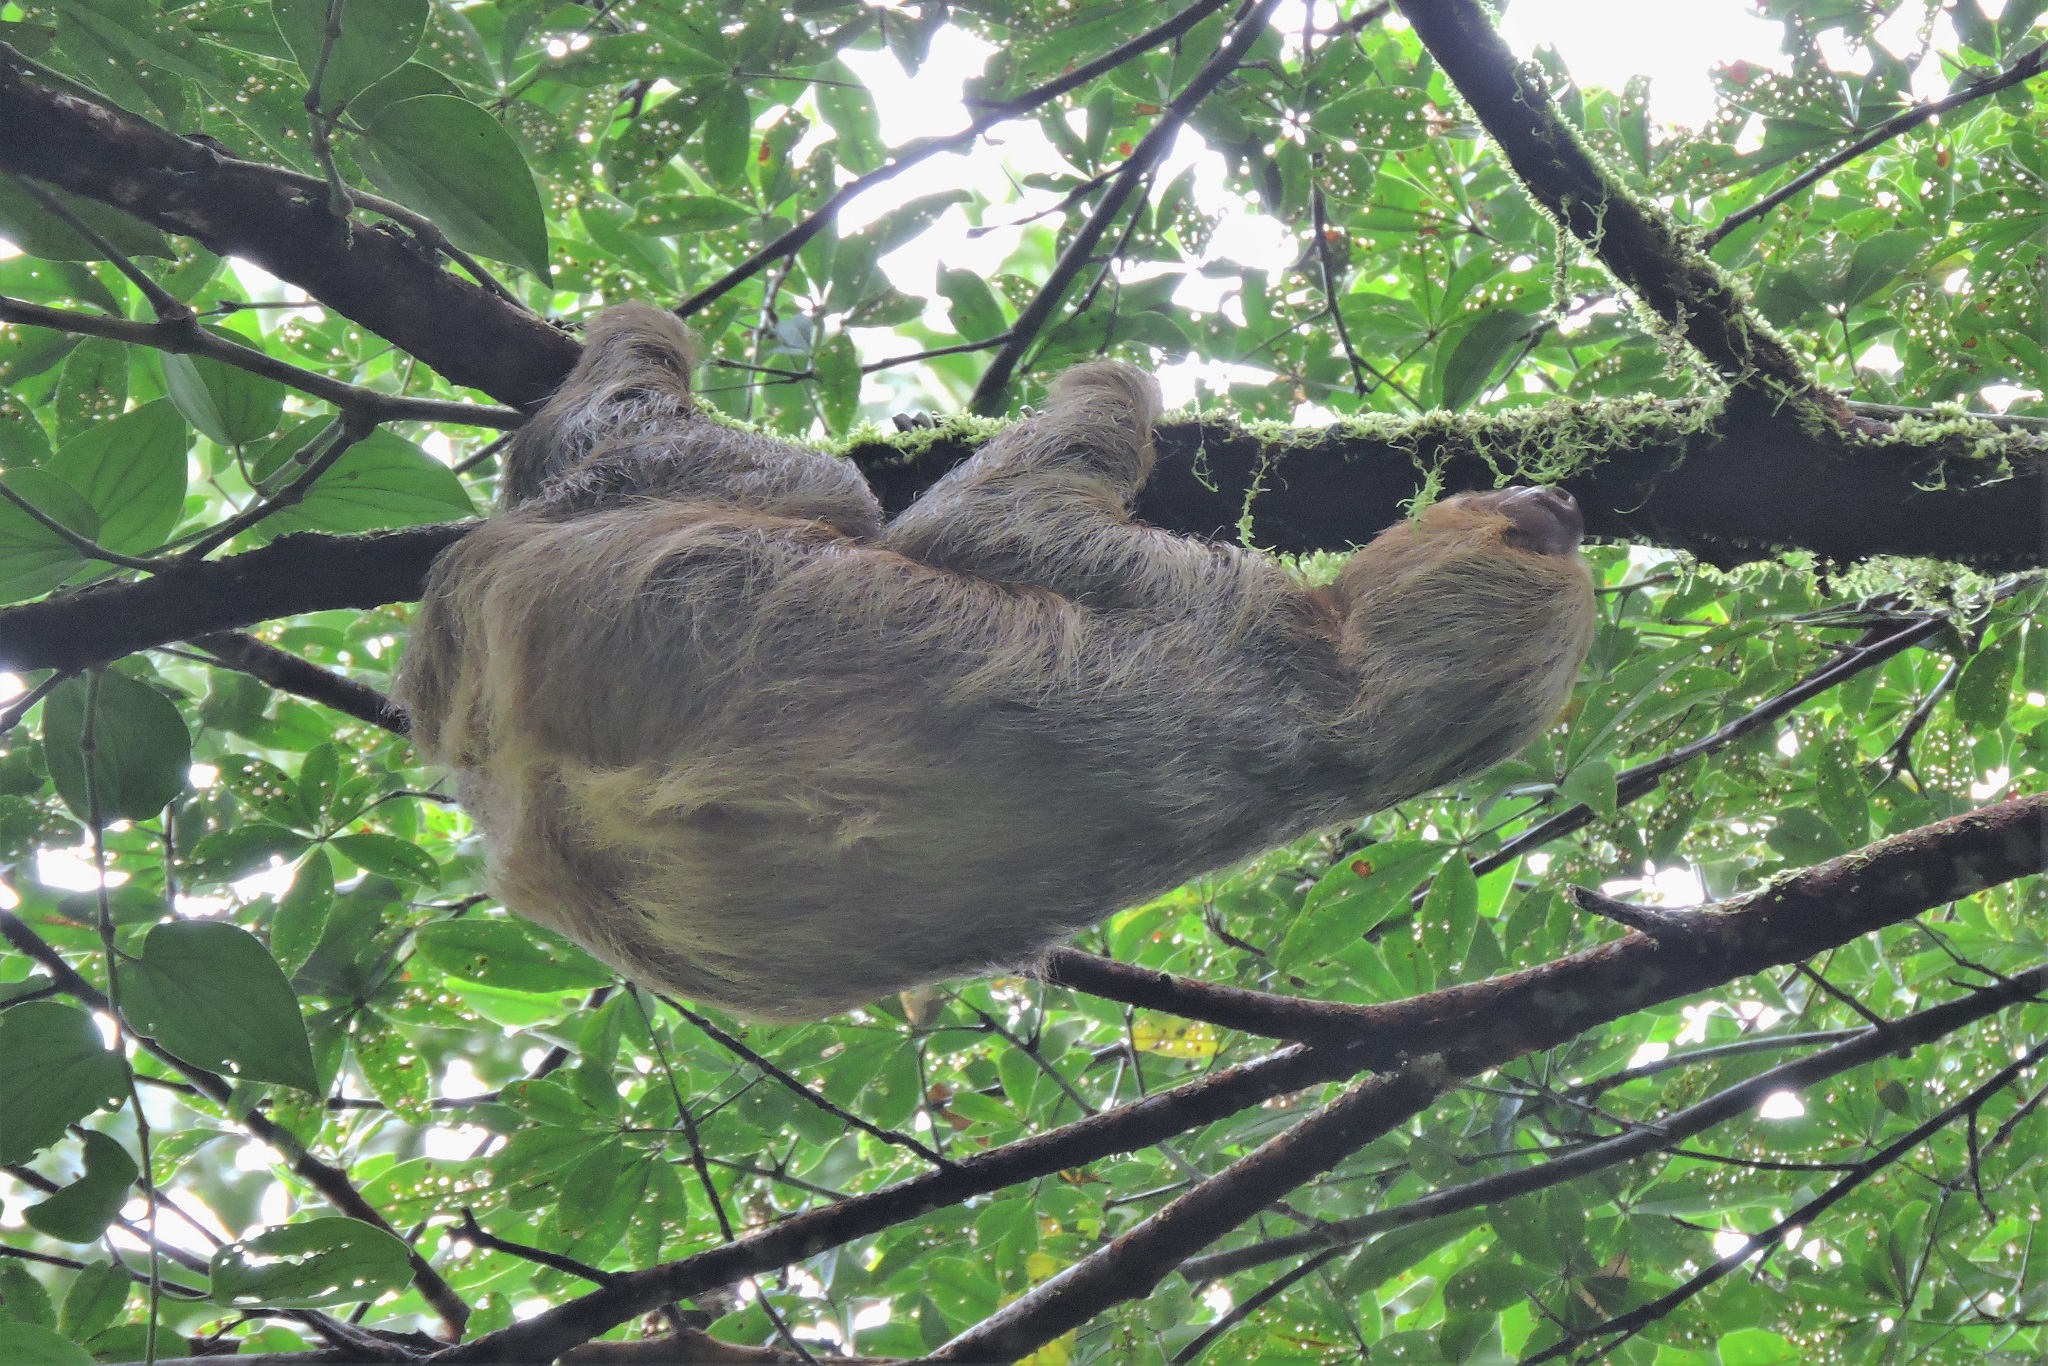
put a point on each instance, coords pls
(625, 427)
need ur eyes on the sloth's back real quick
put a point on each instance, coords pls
(762, 765)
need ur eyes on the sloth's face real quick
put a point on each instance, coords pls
(1542, 520)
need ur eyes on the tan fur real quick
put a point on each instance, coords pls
(721, 726)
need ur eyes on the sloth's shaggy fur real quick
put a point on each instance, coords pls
(727, 730)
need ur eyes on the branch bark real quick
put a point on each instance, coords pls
(1970, 493)
(372, 275)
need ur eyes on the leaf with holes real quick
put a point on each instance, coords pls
(304, 1266)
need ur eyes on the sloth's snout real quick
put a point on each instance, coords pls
(1546, 519)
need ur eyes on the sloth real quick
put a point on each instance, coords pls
(725, 726)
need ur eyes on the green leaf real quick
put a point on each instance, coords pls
(1984, 692)
(23, 439)
(377, 37)
(58, 1071)
(850, 111)
(511, 955)
(98, 1294)
(143, 753)
(302, 912)
(397, 859)
(304, 1266)
(676, 215)
(226, 855)
(457, 165)
(412, 79)
(1877, 263)
(1357, 895)
(381, 481)
(1592, 784)
(33, 558)
(1803, 837)
(838, 368)
(1467, 369)
(22, 1297)
(728, 138)
(29, 1344)
(977, 315)
(39, 232)
(26, 352)
(93, 387)
(81, 1211)
(212, 994)
(132, 471)
(224, 401)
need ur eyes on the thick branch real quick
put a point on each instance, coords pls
(1482, 1024)
(1470, 1028)
(1729, 495)
(1138, 1260)
(288, 673)
(375, 276)
(1913, 1031)
(1632, 237)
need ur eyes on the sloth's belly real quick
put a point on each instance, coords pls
(792, 890)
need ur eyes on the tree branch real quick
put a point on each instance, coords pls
(376, 277)
(791, 242)
(1862, 1047)
(1634, 239)
(1147, 1254)
(288, 673)
(1469, 1028)
(1729, 495)
(330, 1181)
(1504, 1017)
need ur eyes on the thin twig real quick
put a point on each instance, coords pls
(167, 307)
(797, 1088)
(1863, 1047)
(84, 545)
(2024, 67)
(988, 393)
(345, 432)
(1622, 1327)
(182, 340)
(789, 243)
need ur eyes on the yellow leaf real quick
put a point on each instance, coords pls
(1055, 1353)
(1039, 1265)
(1193, 1040)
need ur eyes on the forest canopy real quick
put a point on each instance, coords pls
(1706, 1030)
